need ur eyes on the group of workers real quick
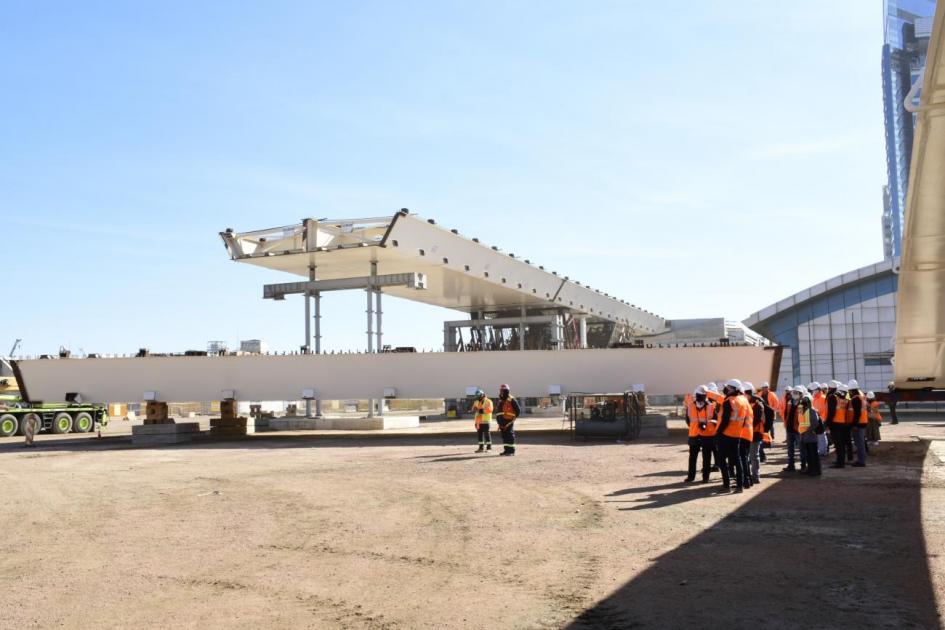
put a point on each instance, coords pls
(505, 411)
(732, 428)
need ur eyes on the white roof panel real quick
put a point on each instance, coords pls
(461, 273)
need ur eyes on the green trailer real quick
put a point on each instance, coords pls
(51, 417)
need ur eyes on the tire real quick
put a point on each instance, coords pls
(62, 423)
(83, 422)
(9, 425)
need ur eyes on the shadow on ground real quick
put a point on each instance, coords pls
(49, 443)
(843, 551)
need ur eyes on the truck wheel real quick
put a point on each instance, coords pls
(9, 424)
(83, 422)
(62, 423)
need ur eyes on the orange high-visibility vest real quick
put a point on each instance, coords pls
(841, 416)
(749, 418)
(874, 412)
(864, 411)
(803, 420)
(739, 417)
(819, 403)
(699, 417)
(483, 411)
(758, 428)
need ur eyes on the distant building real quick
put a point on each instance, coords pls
(254, 346)
(908, 25)
(841, 329)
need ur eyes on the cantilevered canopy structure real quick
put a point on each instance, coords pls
(920, 326)
(457, 272)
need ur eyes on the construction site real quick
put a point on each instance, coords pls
(298, 488)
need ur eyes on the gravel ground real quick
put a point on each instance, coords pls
(414, 530)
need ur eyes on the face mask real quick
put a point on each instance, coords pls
(700, 397)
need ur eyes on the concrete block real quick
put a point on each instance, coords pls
(165, 429)
(157, 434)
(653, 425)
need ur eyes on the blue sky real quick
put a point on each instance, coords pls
(698, 158)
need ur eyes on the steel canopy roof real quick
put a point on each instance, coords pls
(920, 316)
(461, 273)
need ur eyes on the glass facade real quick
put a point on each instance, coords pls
(906, 37)
(842, 329)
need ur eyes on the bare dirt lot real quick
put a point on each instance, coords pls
(417, 531)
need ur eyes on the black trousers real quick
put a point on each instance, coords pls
(705, 445)
(508, 436)
(744, 447)
(485, 437)
(728, 455)
(841, 442)
(813, 458)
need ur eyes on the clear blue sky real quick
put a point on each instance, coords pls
(700, 160)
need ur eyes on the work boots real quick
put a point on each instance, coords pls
(480, 449)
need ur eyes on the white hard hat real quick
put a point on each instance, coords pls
(789, 389)
(765, 384)
(801, 390)
(834, 384)
(712, 387)
(699, 390)
(842, 388)
(734, 383)
(747, 386)
(853, 384)
(813, 386)
(870, 395)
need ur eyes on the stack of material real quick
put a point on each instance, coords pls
(156, 413)
(228, 425)
(156, 434)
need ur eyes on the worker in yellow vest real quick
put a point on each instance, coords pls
(482, 407)
(506, 414)
(809, 426)
(702, 421)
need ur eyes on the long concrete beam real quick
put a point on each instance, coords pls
(361, 376)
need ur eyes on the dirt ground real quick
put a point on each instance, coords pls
(416, 531)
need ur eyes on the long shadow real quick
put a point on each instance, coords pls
(665, 499)
(642, 489)
(846, 550)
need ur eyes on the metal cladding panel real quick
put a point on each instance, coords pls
(461, 273)
(433, 375)
(920, 319)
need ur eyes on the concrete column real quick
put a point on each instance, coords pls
(582, 327)
(521, 330)
(378, 314)
(318, 343)
(370, 326)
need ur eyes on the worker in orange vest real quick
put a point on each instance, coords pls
(858, 414)
(702, 421)
(483, 410)
(734, 418)
(790, 428)
(507, 412)
(757, 431)
(772, 406)
(818, 402)
(838, 422)
(875, 419)
(810, 426)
